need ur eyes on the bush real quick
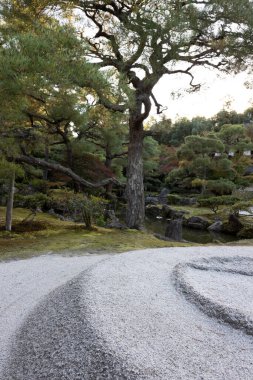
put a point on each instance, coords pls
(214, 202)
(220, 186)
(40, 185)
(78, 206)
(32, 202)
(173, 199)
(88, 210)
(246, 233)
(199, 183)
(243, 195)
(175, 177)
(242, 206)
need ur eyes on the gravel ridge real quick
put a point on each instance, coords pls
(24, 283)
(126, 317)
(235, 265)
(134, 306)
(62, 334)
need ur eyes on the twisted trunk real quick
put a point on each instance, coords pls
(9, 207)
(135, 188)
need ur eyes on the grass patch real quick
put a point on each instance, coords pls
(195, 211)
(244, 242)
(52, 235)
(205, 212)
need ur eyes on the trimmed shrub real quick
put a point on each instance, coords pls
(242, 206)
(220, 186)
(173, 199)
(32, 202)
(214, 202)
(40, 185)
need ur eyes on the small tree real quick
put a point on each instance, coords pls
(215, 202)
(9, 172)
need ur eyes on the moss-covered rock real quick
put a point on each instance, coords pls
(246, 232)
(197, 222)
(153, 210)
(233, 225)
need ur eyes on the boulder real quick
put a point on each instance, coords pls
(170, 213)
(246, 232)
(153, 211)
(151, 200)
(197, 222)
(112, 221)
(162, 197)
(233, 225)
(174, 230)
(188, 201)
(216, 226)
(249, 170)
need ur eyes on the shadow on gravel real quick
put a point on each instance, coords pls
(237, 266)
(57, 342)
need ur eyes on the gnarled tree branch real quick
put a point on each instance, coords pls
(62, 169)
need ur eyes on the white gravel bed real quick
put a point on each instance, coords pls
(227, 289)
(138, 315)
(136, 310)
(24, 283)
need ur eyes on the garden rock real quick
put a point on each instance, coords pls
(170, 213)
(151, 200)
(246, 232)
(233, 226)
(153, 211)
(113, 221)
(249, 170)
(174, 230)
(162, 197)
(216, 226)
(197, 222)
(188, 201)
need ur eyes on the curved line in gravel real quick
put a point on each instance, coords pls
(58, 342)
(234, 265)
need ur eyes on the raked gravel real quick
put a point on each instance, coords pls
(138, 315)
(24, 283)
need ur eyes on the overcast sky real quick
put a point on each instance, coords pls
(209, 100)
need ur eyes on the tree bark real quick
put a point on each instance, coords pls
(9, 207)
(45, 170)
(135, 189)
(108, 164)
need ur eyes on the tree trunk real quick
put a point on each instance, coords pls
(134, 188)
(108, 164)
(9, 207)
(45, 171)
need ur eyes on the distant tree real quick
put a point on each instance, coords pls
(185, 127)
(235, 138)
(227, 117)
(151, 159)
(198, 158)
(160, 130)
